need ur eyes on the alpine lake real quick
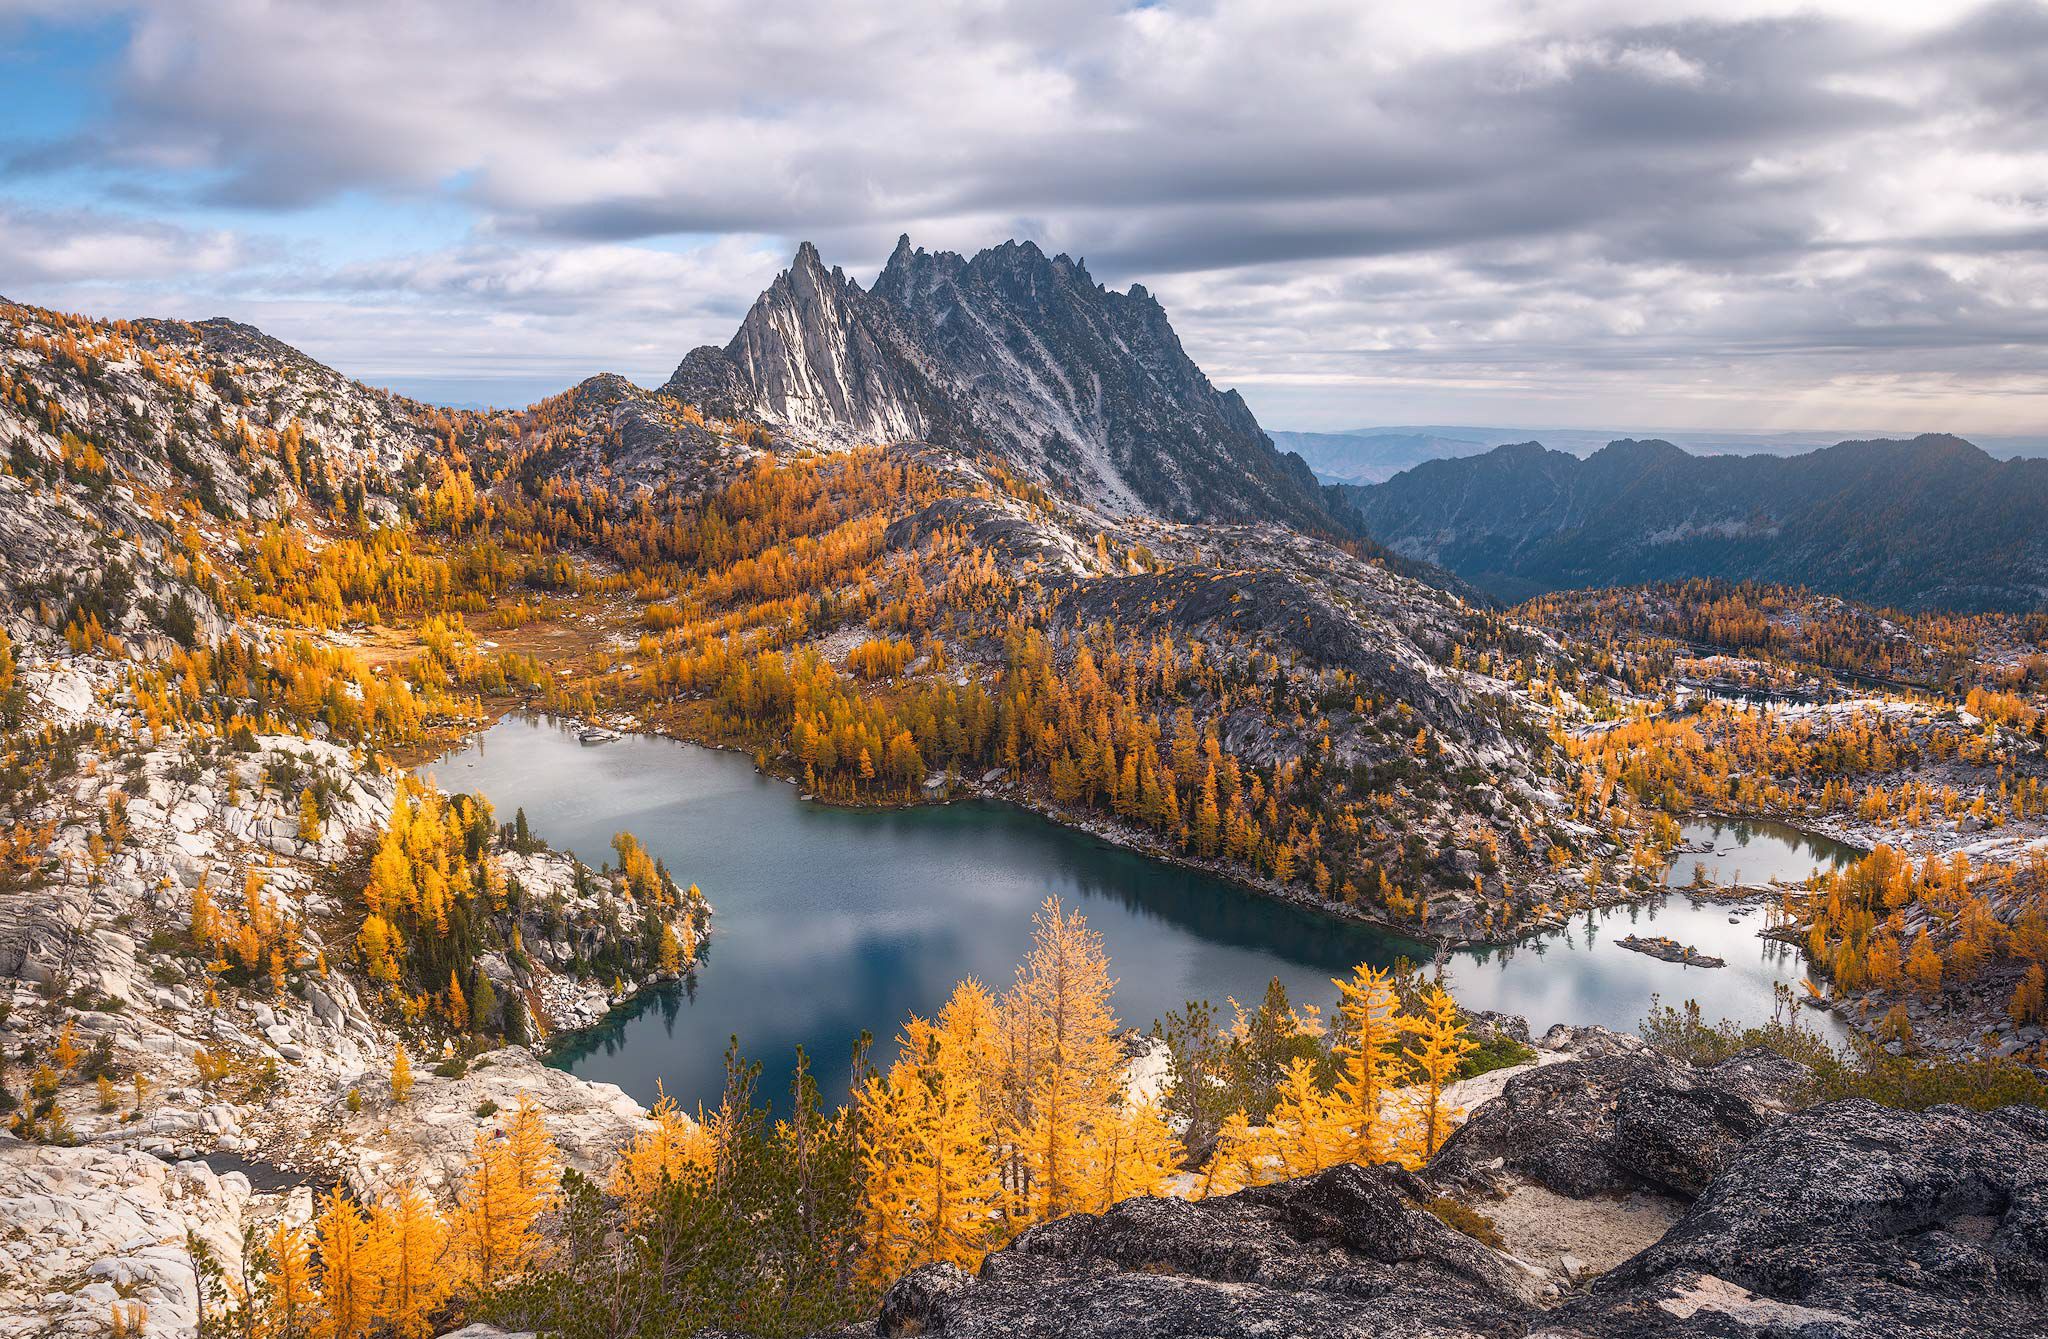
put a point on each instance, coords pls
(830, 921)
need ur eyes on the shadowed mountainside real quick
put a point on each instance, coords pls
(1933, 522)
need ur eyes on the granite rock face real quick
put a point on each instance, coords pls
(429, 1139)
(1851, 1219)
(84, 1229)
(1082, 388)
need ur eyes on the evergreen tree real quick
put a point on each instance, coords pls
(483, 1005)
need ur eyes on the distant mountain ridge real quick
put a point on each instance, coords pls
(1374, 455)
(1933, 522)
(1077, 386)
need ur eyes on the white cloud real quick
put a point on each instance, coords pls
(42, 246)
(1622, 200)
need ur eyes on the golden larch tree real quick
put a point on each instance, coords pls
(1369, 1063)
(512, 1179)
(401, 1075)
(931, 1188)
(974, 1035)
(348, 1268)
(534, 1156)
(408, 1240)
(1441, 1046)
(1305, 1133)
(673, 1148)
(292, 1308)
(1137, 1155)
(309, 816)
(1069, 1067)
(1235, 1163)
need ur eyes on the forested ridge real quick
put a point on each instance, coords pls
(1932, 523)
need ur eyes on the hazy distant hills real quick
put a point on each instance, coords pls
(1934, 522)
(1374, 455)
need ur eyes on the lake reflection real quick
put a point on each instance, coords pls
(832, 921)
(1754, 852)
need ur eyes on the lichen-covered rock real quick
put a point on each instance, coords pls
(1492, 1025)
(1348, 1252)
(1619, 1123)
(1838, 1222)
(1850, 1219)
(1591, 1041)
(917, 1303)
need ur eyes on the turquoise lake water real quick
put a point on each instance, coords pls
(829, 921)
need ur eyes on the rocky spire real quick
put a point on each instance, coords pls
(1085, 389)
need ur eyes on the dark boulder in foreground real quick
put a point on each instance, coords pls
(1620, 1122)
(1838, 1222)
(1347, 1252)
(1846, 1220)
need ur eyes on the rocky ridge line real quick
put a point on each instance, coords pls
(1079, 387)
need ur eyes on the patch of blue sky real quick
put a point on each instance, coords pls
(351, 228)
(54, 74)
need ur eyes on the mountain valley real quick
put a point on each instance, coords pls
(980, 529)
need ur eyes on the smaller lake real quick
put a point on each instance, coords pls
(831, 921)
(1753, 852)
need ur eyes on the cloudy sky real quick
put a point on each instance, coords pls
(1736, 214)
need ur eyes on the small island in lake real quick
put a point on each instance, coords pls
(1670, 950)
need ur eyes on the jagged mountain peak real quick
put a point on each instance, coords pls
(807, 269)
(901, 261)
(808, 277)
(1010, 351)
